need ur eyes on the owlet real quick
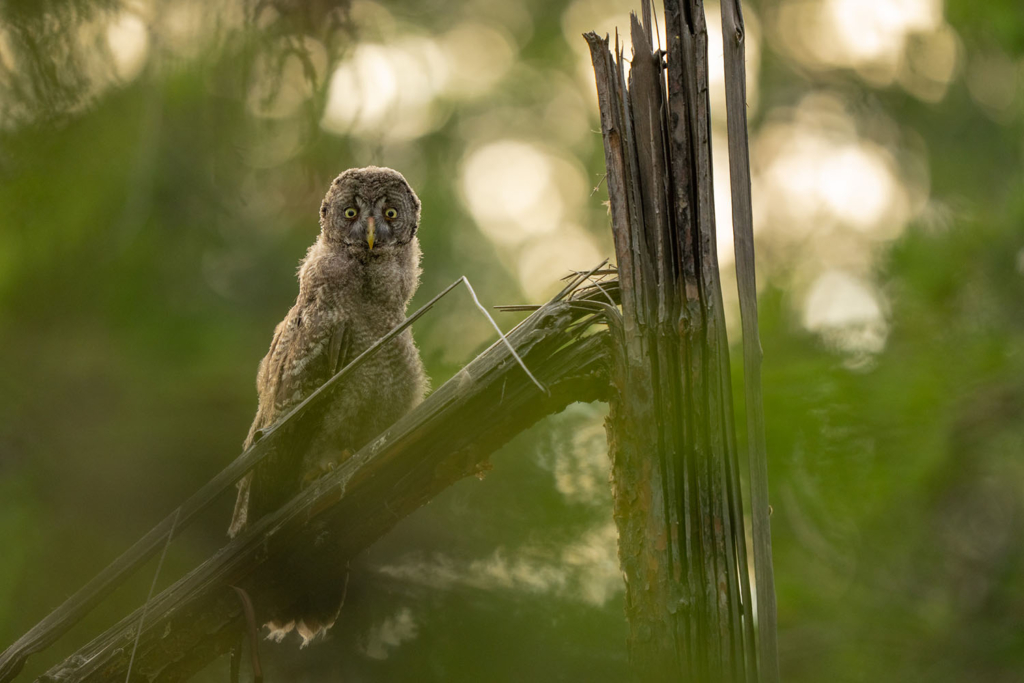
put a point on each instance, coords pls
(354, 285)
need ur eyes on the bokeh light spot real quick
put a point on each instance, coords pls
(387, 90)
(509, 189)
(845, 311)
(128, 39)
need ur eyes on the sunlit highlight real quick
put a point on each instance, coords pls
(128, 39)
(846, 313)
(882, 40)
(818, 176)
(387, 90)
(871, 30)
(510, 190)
(523, 195)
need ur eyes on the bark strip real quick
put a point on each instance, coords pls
(733, 40)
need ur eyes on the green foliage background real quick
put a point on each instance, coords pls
(145, 258)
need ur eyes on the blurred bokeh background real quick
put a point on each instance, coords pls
(161, 167)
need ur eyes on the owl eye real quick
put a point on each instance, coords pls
(350, 212)
(390, 214)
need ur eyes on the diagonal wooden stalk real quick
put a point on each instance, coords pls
(734, 41)
(282, 554)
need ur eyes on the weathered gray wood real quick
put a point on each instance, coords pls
(734, 42)
(678, 502)
(76, 607)
(649, 96)
(730, 543)
(442, 441)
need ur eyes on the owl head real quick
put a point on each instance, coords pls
(371, 209)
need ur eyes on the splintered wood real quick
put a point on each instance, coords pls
(678, 503)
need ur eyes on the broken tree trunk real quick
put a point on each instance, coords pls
(678, 504)
(445, 439)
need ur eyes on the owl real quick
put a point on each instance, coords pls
(354, 285)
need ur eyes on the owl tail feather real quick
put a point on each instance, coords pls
(276, 631)
(308, 628)
(308, 617)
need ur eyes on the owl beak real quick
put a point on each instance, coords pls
(371, 228)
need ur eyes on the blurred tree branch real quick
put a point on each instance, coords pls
(56, 58)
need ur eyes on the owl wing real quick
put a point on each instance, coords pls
(303, 355)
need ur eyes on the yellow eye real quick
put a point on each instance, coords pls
(351, 212)
(390, 214)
